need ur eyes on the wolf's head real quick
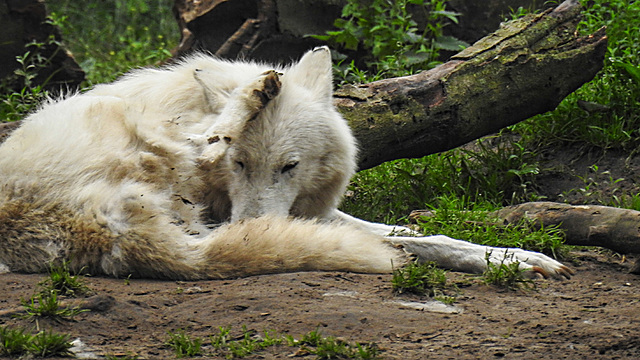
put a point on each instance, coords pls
(297, 156)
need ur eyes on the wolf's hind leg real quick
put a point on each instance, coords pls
(244, 105)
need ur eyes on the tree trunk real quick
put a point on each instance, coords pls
(525, 68)
(23, 24)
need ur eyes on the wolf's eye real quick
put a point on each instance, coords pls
(240, 164)
(289, 167)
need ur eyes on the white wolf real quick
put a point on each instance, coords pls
(204, 169)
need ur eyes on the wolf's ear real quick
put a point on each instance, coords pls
(314, 72)
(213, 98)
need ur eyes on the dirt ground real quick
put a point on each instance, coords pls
(594, 315)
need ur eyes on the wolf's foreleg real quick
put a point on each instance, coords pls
(243, 105)
(468, 257)
(376, 228)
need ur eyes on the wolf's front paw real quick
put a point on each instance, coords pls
(263, 90)
(534, 262)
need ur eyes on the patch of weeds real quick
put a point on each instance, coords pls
(18, 343)
(13, 342)
(387, 40)
(445, 299)
(46, 304)
(61, 281)
(506, 274)
(23, 91)
(249, 342)
(50, 344)
(246, 344)
(419, 279)
(599, 187)
(473, 221)
(184, 345)
(332, 348)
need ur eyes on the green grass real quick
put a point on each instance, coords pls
(16, 342)
(184, 345)
(13, 342)
(130, 33)
(420, 279)
(224, 344)
(46, 304)
(50, 344)
(63, 282)
(506, 274)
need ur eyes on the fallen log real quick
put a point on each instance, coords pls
(525, 68)
(587, 225)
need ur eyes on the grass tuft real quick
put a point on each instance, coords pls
(419, 279)
(46, 305)
(184, 345)
(63, 282)
(18, 343)
(506, 274)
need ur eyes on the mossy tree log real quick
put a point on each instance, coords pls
(588, 225)
(525, 68)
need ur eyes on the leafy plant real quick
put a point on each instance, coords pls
(392, 40)
(20, 93)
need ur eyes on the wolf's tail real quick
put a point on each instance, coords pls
(273, 244)
(32, 237)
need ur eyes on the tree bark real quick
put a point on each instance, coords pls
(525, 68)
(588, 225)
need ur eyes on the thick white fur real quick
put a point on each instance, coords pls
(205, 169)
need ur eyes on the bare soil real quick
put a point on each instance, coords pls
(594, 315)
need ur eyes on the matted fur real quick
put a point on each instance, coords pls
(204, 169)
